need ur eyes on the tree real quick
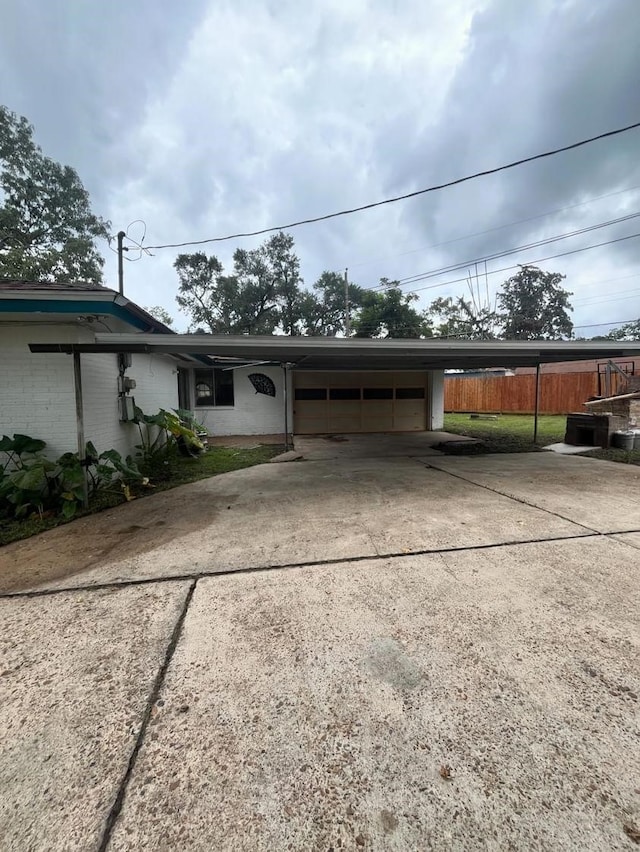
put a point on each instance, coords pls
(390, 314)
(205, 293)
(261, 295)
(47, 229)
(629, 331)
(283, 265)
(463, 319)
(324, 310)
(161, 314)
(534, 306)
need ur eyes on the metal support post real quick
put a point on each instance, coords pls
(285, 370)
(77, 381)
(121, 236)
(537, 405)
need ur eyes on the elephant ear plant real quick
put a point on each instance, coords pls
(27, 482)
(166, 432)
(32, 483)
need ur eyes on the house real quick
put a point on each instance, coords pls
(38, 392)
(230, 396)
(77, 356)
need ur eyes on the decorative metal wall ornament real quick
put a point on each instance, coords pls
(262, 384)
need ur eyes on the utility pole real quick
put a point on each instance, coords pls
(121, 236)
(347, 318)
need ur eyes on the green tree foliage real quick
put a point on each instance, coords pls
(47, 229)
(161, 314)
(208, 296)
(534, 306)
(390, 313)
(462, 318)
(260, 295)
(629, 331)
(323, 311)
(268, 286)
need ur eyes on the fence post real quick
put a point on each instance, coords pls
(537, 405)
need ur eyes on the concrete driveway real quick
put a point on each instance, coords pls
(378, 651)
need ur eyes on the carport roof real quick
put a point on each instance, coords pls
(335, 353)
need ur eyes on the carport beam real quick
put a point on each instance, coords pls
(77, 381)
(537, 405)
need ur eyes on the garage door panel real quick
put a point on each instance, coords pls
(360, 402)
(345, 424)
(377, 408)
(310, 416)
(409, 407)
(311, 426)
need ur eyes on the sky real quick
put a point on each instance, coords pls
(210, 117)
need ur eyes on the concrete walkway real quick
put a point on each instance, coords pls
(379, 653)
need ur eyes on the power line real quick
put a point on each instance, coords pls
(422, 276)
(408, 195)
(600, 324)
(530, 263)
(608, 281)
(591, 304)
(497, 228)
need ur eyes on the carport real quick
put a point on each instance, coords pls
(357, 385)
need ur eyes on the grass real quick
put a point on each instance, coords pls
(510, 433)
(176, 471)
(513, 433)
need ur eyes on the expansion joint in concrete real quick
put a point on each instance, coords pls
(118, 802)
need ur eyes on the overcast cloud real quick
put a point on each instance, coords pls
(214, 116)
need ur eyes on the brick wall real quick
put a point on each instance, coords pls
(37, 391)
(252, 413)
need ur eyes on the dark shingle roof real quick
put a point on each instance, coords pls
(58, 286)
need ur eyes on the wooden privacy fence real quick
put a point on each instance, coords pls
(560, 393)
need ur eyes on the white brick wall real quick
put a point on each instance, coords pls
(37, 390)
(156, 387)
(252, 414)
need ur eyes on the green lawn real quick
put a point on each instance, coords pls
(513, 433)
(176, 471)
(510, 433)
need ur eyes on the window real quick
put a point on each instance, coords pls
(344, 393)
(377, 393)
(311, 393)
(409, 393)
(214, 387)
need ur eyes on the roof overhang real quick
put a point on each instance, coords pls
(60, 304)
(334, 353)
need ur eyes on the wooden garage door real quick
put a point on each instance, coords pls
(359, 402)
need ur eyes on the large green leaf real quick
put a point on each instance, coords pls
(69, 508)
(68, 460)
(24, 444)
(6, 444)
(72, 478)
(29, 479)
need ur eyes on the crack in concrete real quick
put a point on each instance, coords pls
(512, 497)
(622, 541)
(257, 569)
(118, 802)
